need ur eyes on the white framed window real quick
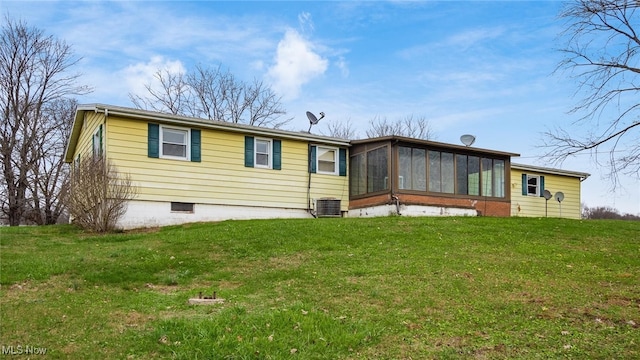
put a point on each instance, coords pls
(533, 185)
(263, 150)
(327, 160)
(174, 143)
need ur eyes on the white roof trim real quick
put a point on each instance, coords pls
(582, 175)
(111, 110)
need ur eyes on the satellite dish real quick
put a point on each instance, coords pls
(559, 196)
(313, 119)
(547, 194)
(467, 139)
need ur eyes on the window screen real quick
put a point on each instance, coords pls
(174, 142)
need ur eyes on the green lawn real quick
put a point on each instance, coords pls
(388, 288)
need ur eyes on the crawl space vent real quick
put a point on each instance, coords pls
(328, 208)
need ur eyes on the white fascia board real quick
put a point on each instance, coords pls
(210, 124)
(582, 175)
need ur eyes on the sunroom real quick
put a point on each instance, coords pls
(413, 177)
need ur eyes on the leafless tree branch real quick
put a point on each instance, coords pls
(601, 53)
(341, 129)
(409, 126)
(99, 194)
(213, 94)
(33, 75)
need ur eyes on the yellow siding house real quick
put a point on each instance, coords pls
(530, 184)
(188, 169)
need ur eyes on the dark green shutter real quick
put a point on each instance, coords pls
(342, 162)
(277, 154)
(195, 145)
(153, 141)
(524, 184)
(542, 186)
(312, 159)
(248, 151)
(100, 134)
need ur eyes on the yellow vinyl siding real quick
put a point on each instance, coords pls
(221, 177)
(85, 141)
(330, 186)
(525, 205)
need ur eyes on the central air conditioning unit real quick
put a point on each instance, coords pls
(328, 207)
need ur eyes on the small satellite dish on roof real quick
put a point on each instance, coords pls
(467, 139)
(313, 119)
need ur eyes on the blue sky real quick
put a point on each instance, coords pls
(479, 67)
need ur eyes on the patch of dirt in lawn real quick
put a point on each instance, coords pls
(164, 289)
(70, 348)
(206, 287)
(622, 301)
(288, 261)
(53, 284)
(527, 297)
(229, 285)
(122, 321)
(491, 352)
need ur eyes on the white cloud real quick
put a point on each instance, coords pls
(343, 66)
(474, 37)
(296, 63)
(456, 43)
(305, 22)
(138, 75)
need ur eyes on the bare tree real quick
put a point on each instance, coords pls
(49, 185)
(33, 74)
(341, 129)
(263, 106)
(409, 126)
(213, 94)
(172, 96)
(213, 89)
(602, 53)
(606, 212)
(99, 194)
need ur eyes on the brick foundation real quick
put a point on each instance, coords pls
(484, 207)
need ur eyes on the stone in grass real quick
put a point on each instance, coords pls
(196, 301)
(206, 300)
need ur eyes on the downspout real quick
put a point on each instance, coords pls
(309, 183)
(103, 157)
(309, 197)
(397, 200)
(394, 197)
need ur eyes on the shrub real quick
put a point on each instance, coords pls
(99, 194)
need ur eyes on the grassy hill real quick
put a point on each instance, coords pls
(392, 288)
